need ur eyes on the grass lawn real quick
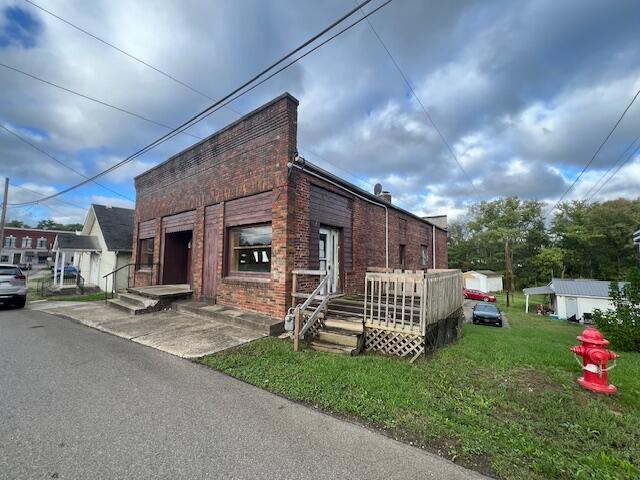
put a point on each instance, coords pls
(502, 401)
(33, 294)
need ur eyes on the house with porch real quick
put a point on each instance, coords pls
(236, 216)
(103, 246)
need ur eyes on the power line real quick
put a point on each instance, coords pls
(615, 173)
(154, 68)
(595, 154)
(133, 57)
(44, 152)
(415, 95)
(238, 92)
(595, 185)
(42, 194)
(141, 117)
(87, 97)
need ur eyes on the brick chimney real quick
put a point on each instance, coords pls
(386, 196)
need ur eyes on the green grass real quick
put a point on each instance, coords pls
(89, 297)
(501, 401)
(33, 294)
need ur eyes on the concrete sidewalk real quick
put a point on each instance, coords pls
(177, 333)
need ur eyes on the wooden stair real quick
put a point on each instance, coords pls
(342, 331)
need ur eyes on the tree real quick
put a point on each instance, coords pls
(550, 262)
(17, 224)
(47, 224)
(51, 225)
(621, 326)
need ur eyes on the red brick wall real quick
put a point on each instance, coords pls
(34, 234)
(248, 157)
(368, 226)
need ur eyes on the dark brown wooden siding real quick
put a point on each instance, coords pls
(248, 210)
(331, 210)
(212, 216)
(179, 222)
(147, 229)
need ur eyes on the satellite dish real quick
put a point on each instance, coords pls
(377, 189)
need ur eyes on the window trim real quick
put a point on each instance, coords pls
(424, 248)
(45, 243)
(8, 241)
(228, 255)
(140, 267)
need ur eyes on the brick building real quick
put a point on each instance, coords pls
(27, 245)
(234, 214)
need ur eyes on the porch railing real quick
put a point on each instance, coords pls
(406, 301)
(307, 321)
(44, 286)
(114, 274)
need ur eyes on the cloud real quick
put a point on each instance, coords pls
(523, 92)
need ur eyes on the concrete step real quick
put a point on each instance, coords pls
(137, 300)
(233, 316)
(126, 307)
(335, 337)
(320, 346)
(348, 324)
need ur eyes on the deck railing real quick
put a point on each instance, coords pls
(407, 301)
(305, 322)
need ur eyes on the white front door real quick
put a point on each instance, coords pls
(94, 269)
(329, 257)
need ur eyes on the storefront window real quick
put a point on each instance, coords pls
(250, 249)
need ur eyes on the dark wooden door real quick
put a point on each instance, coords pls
(210, 265)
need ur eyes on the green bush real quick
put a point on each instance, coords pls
(621, 326)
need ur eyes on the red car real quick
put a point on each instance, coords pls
(478, 295)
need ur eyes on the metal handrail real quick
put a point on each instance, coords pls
(114, 273)
(314, 316)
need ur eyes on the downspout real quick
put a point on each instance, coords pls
(386, 210)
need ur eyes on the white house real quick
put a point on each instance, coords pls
(103, 246)
(483, 280)
(636, 238)
(573, 298)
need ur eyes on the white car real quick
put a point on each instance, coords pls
(13, 285)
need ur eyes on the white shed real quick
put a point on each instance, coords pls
(573, 298)
(483, 280)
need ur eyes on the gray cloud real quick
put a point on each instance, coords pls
(523, 91)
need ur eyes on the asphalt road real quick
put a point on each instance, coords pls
(76, 403)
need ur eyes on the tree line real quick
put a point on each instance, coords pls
(582, 240)
(46, 225)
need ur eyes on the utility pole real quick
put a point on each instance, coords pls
(3, 220)
(507, 268)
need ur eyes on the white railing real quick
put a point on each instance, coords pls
(406, 301)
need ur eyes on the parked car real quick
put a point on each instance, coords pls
(13, 285)
(69, 271)
(478, 295)
(487, 313)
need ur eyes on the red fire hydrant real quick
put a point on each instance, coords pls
(595, 358)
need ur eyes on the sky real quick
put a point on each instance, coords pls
(523, 93)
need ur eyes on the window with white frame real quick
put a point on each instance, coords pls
(26, 242)
(42, 243)
(10, 241)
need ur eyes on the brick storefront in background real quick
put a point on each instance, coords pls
(251, 157)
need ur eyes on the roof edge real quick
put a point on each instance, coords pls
(223, 129)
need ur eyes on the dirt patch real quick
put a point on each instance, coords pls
(533, 381)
